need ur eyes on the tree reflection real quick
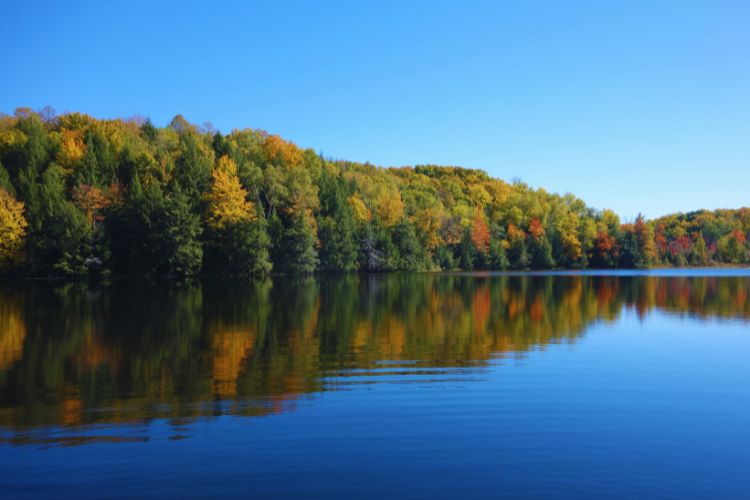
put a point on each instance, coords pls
(128, 353)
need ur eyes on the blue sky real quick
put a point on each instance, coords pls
(632, 105)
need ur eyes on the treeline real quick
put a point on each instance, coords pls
(82, 196)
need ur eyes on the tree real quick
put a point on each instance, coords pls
(174, 230)
(192, 164)
(227, 199)
(59, 233)
(570, 253)
(370, 257)
(240, 249)
(411, 253)
(638, 249)
(12, 230)
(540, 249)
(91, 200)
(97, 163)
(236, 241)
(294, 247)
(731, 248)
(699, 253)
(480, 233)
(155, 233)
(445, 259)
(606, 251)
(336, 226)
(5, 182)
(377, 249)
(498, 258)
(467, 251)
(518, 257)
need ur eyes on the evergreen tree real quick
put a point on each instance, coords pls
(467, 252)
(239, 249)
(637, 246)
(5, 182)
(336, 228)
(411, 253)
(444, 258)
(192, 171)
(155, 233)
(59, 233)
(540, 253)
(498, 258)
(378, 251)
(294, 248)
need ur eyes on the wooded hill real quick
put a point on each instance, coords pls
(80, 196)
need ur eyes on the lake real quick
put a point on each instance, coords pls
(595, 384)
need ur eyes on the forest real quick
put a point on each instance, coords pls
(81, 197)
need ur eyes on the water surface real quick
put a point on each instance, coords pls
(417, 385)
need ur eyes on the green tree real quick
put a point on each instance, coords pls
(294, 244)
(518, 257)
(241, 249)
(192, 164)
(498, 256)
(699, 252)
(467, 251)
(155, 233)
(411, 253)
(59, 233)
(539, 247)
(637, 245)
(731, 248)
(5, 182)
(336, 226)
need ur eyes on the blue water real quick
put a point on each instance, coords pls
(628, 386)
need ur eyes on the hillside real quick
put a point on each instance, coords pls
(80, 195)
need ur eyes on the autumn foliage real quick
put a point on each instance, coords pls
(12, 229)
(227, 199)
(81, 196)
(480, 232)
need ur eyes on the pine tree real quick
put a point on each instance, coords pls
(294, 248)
(59, 233)
(336, 228)
(498, 258)
(411, 253)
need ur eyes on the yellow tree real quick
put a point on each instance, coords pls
(571, 244)
(71, 150)
(389, 205)
(428, 222)
(361, 212)
(277, 148)
(12, 229)
(227, 199)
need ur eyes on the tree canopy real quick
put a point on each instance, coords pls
(80, 195)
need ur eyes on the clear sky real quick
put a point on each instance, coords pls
(632, 105)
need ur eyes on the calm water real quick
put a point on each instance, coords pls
(564, 385)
